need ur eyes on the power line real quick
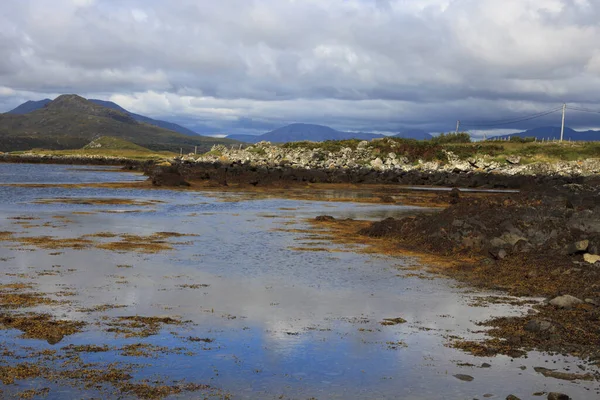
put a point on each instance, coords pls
(513, 121)
(583, 110)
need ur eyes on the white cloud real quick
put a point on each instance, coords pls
(353, 63)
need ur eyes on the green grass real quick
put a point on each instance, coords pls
(529, 152)
(113, 143)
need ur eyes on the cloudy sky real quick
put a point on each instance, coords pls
(247, 66)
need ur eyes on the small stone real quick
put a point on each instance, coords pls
(486, 365)
(498, 254)
(594, 302)
(325, 218)
(558, 396)
(566, 301)
(578, 247)
(465, 378)
(512, 397)
(458, 223)
(591, 258)
(513, 160)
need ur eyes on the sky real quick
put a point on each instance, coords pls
(249, 66)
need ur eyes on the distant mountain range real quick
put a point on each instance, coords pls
(319, 133)
(553, 133)
(71, 122)
(30, 106)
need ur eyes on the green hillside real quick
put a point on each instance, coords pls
(71, 122)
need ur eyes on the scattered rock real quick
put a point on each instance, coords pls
(538, 326)
(512, 397)
(550, 373)
(393, 321)
(486, 365)
(325, 218)
(387, 199)
(594, 302)
(566, 301)
(591, 258)
(558, 396)
(514, 160)
(465, 378)
(498, 254)
(577, 247)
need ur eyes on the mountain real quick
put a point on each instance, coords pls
(417, 134)
(304, 132)
(30, 106)
(553, 133)
(71, 122)
(141, 118)
(245, 138)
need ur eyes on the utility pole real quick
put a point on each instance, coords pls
(457, 126)
(562, 129)
(195, 149)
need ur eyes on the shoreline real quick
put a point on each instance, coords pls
(465, 242)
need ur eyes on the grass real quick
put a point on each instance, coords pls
(118, 153)
(529, 152)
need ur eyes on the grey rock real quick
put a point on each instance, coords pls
(558, 396)
(594, 302)
(578, 247)
(536, 325)
(514, 160)
(566, 301)
(498, 254)
(465, 378)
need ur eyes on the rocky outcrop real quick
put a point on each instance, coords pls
(367, 156)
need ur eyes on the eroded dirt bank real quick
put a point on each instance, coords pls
(545, 243)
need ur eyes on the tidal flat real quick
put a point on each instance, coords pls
(133, 293)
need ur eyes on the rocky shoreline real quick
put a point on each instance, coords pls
(264, 164)
(535, 244)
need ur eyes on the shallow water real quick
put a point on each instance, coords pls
(285, 322)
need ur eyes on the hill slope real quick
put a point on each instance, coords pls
(31, 106)
(141, 118)
(71, 122)
(113, 143)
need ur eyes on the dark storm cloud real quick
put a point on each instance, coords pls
(249, 65)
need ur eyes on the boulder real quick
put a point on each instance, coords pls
(538, 326)
(377, 164)
(566, 301)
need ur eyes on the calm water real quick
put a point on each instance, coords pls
(285, 321)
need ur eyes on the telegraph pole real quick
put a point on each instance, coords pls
(562, 129)
(457, 126)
